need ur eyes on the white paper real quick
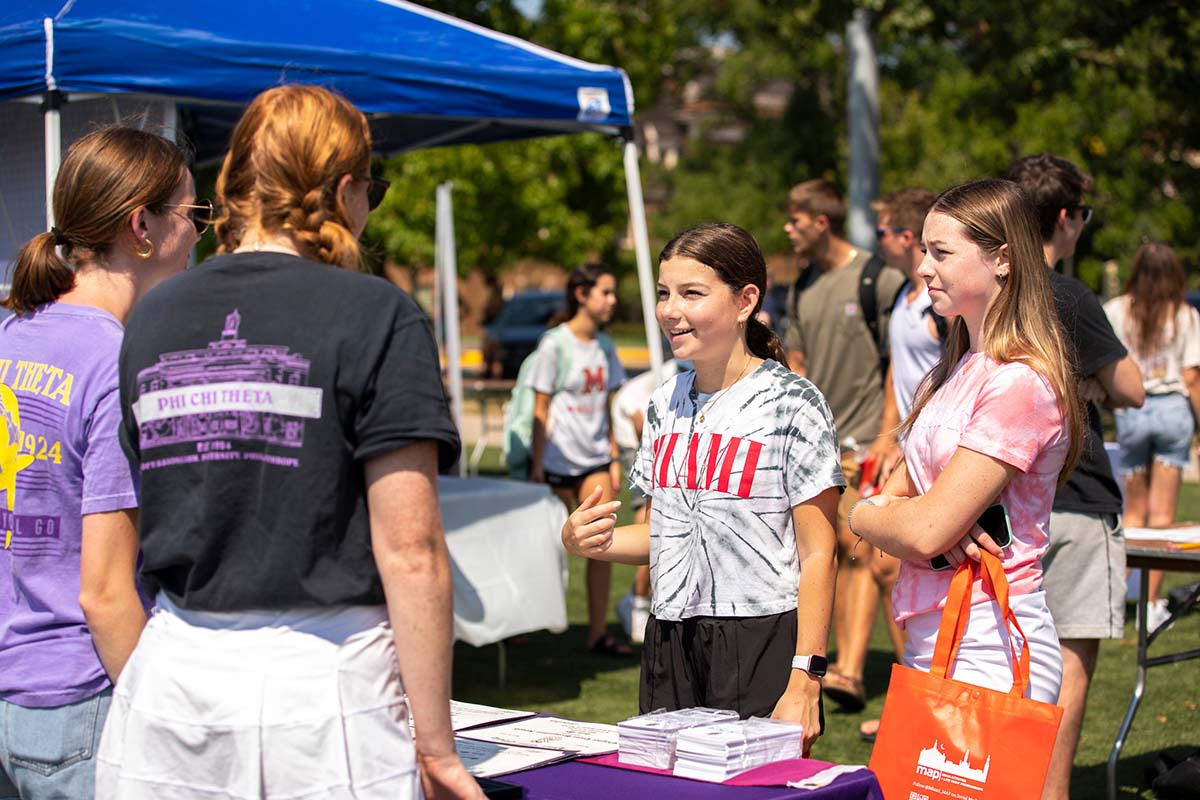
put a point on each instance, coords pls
(1190, 533)
(489, 760)
(824, 777)
(471, 715)
(583, 738)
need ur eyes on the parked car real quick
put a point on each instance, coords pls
(515, 333)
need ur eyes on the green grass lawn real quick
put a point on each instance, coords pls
(553, 673)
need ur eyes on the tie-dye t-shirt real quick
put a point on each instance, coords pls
(1006, 411)
(722, 542)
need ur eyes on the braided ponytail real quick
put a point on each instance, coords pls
(286, 159)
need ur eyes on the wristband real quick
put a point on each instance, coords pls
(850, 515)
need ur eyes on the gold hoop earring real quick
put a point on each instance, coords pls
(149, 251)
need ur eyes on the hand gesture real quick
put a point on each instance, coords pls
(588, 531)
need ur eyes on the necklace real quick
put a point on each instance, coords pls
(713, 400)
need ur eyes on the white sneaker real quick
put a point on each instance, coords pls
(639, 616)
(1156, 614)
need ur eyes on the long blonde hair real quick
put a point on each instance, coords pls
(288, 152)
(1022, 323)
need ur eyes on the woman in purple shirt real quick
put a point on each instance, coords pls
(70, 611)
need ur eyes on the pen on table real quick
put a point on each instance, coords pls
(1187, 546)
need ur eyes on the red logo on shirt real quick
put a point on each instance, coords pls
(718, 468)
(593, 380)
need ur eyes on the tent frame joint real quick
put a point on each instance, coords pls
(53, 100)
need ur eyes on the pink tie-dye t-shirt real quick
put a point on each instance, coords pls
(1006, 411)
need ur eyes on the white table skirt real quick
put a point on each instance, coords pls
(506, 557)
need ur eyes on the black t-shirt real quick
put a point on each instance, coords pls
(253, 388)
(1091, 488)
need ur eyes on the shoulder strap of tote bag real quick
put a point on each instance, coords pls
(958, 611)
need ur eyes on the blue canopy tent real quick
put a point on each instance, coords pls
(422, 77)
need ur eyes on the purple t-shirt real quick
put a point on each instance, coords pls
(60, 458)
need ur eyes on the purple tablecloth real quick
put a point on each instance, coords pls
(575, 781)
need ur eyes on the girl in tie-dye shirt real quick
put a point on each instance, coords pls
(996, 421)
(740, 462)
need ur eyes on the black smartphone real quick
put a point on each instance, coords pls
(994, 522)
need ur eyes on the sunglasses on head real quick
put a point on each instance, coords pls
(200, 213)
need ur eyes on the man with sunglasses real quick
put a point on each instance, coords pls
(836, 338)
(1084, 568)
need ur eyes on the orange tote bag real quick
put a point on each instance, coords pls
(942, 738)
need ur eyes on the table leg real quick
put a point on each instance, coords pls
(1139, 687)
(481, 442)
(502, 665)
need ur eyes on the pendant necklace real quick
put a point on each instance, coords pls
(713, 401)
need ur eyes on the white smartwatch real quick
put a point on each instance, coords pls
(813, 665)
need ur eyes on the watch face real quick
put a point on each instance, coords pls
(817, 665)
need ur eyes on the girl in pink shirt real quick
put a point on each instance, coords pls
(996, 421)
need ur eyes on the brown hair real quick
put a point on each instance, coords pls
(1156, 288)
(1022, 324)
(1052, 184)
(288, 152)
(906, 208)
(584, 277)
(817, 197)
(104, 178)
(734, 255)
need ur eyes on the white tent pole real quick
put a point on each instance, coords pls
(641, 248)
(52, 122)
(448, 264)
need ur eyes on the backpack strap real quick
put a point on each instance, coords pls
(941, 323)
(610, 351)
(562, 349)
(868, 304)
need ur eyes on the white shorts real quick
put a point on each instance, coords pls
(984, 658)
(296, 704)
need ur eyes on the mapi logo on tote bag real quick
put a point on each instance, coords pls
(942, 739)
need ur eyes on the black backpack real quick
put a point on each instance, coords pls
(868, 304)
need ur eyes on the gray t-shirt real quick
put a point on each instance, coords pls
(840, 356)
(722, 542)
(577, 429)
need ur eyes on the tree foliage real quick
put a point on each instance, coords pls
(966, 86)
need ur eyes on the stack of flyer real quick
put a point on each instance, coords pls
(720, 751)
(649, 740)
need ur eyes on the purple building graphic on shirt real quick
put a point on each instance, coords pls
(229, 390)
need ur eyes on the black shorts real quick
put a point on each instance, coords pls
(572, 482)
(737, 663)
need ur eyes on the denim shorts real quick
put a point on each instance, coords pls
(48, 752)
(1160, 430)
